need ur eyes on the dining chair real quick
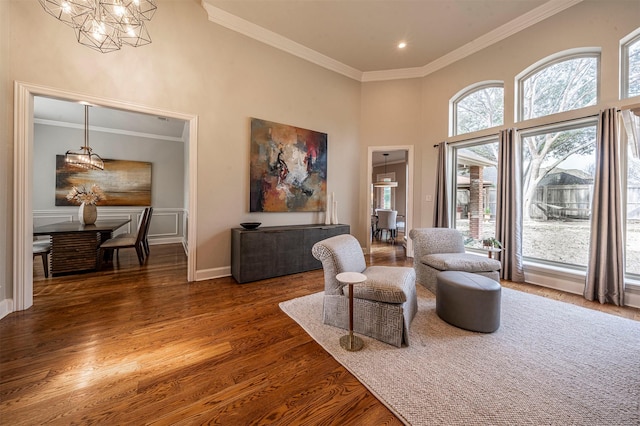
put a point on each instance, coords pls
(126, 241)
(145, 239)
(387, 222)
(147, 212)
(42, 248)
(377, 234)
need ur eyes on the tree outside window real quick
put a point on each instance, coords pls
(560, 86)
(557, 182)
(558, 160)
(631, 67)
(482, 108)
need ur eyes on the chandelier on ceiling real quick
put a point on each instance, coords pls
(105, 25)
(385, 182)
(85, 158)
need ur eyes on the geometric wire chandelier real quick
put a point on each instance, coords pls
(85, 158)
(105, 25)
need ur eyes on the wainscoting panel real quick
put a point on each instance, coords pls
(166, 223)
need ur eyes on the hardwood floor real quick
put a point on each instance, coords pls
(140, 345)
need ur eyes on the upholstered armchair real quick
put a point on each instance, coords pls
(384, 305)
(442, 249)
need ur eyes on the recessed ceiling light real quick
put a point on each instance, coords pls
(402, 45)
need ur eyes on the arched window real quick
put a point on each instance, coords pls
(630, 67)
(478, 107)
(562, 84)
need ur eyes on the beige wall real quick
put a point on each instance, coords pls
(196, 67)
(391, 114)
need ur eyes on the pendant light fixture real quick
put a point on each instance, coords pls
(105, 25)
(385, 182)
(85, 158)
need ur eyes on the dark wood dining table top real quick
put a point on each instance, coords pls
(68, 227)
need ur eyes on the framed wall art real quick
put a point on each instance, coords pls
(288, 168)
(124, 182)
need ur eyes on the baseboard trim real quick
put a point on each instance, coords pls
(6, 307)
(166, 240)
(213, 273)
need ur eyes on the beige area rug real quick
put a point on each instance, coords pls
(549, 363)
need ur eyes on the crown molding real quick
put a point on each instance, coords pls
(528, 19)
(397, 74)
(263, 35)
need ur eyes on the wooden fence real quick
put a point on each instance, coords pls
(574, 202)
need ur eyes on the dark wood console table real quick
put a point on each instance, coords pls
(273, 251)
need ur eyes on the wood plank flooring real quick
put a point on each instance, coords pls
(140, 345)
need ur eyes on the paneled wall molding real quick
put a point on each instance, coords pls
(173, 219)
(166, 223)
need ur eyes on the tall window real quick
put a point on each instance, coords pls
(480, 107)
(385, 196)
(557, 182)
(562, 85)
(632, 132)
(631, 67)
(476, 181)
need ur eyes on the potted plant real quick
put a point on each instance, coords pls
(491, 243)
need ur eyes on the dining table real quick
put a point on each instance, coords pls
(74, 246)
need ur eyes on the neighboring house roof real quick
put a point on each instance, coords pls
(566, 177)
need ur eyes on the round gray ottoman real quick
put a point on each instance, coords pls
(468, 301)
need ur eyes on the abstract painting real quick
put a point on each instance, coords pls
(125, 183)
(288, 170)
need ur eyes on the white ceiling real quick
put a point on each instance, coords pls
(359, 37)
(71, 114)
(394, 157)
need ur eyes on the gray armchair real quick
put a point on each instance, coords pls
(442, 249)
(384, 305)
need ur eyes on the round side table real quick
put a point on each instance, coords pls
(350, 342)
(492, 250)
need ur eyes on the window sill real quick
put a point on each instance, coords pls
(572, 280)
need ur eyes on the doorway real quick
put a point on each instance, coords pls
(23, 180)
(397, 155)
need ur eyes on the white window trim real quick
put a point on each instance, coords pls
(625, 44)
(454, 147)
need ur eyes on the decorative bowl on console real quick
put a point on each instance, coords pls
(250, 225)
